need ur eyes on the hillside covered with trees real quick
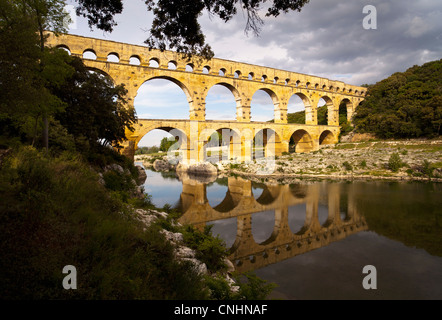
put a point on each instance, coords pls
(299, 117)
(405, 105)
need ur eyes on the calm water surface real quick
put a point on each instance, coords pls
(313, 238)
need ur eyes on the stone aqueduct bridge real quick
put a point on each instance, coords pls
(196, 76)
(283, 243)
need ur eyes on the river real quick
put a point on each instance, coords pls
(313, 238)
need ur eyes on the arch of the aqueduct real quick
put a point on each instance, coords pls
(283, 243)
(131, 67)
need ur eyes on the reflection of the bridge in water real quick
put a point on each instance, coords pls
(240, 202)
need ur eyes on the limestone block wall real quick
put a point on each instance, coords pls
(132, 65)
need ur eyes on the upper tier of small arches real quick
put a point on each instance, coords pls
(219, 67)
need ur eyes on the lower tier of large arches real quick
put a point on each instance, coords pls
(197, 141)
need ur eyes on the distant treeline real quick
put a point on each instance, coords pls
(405, 105)
(147, 150)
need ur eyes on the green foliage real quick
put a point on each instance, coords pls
(299, 117)
(219, 287)
(235, 166)
(250, 286)
(95, 108)
(26, 69)
(55, 213)
(253, 287)
(322, 115)
(347, 165)
(41, 86)
(427, 168)
(211, 250)
(166, 144)
(117, 181)
(141, 150)
(405, 105)
(177, 27)
(394, 162)
(346, 127)
(147, 150)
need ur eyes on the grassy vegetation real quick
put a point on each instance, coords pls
(55, 212)
(395, 162)
(347, 166)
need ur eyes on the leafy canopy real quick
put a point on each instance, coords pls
(95, 108)
(405, 105)
(27, 67)
(44, 87)
(175, 24)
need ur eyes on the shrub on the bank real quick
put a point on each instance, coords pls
(394, 162)
(347, 165)
(234, 165)
(425, 169)
(211, 250)
(251, 287)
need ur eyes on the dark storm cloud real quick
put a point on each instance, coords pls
(327, 39)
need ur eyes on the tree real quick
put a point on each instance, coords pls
(346, 127)
(95, 108)
(175, 24)
(27, 66)
(40, 85)
(166, 143)
(48, 15)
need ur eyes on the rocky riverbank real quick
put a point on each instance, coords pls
(395, 160)
(182, 252)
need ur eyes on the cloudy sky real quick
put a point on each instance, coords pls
(326, 39)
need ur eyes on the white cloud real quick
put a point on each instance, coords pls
(325, 39)
(418, 27)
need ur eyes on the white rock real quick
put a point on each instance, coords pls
(233, 287)
(203, 168)
(148, 220)
(161, 165)
(200, 267)
(163, 215)
(114, 167)
(230, 266)
(173, 237)
(185, 252)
